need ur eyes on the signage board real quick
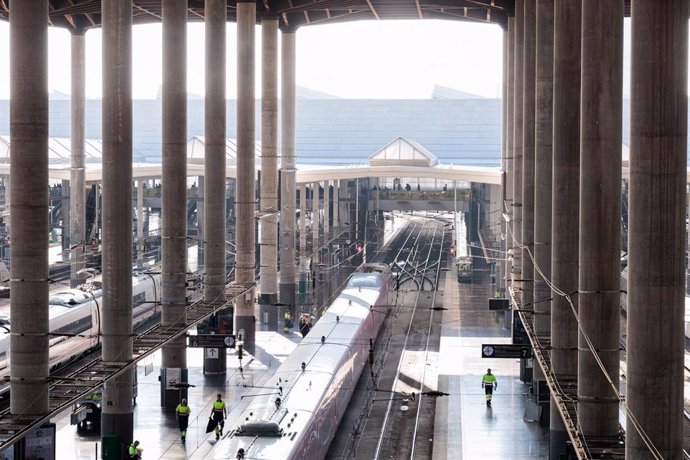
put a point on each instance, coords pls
(497, 303)
(211, 341)
(505, 350)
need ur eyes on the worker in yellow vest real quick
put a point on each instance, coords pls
(489, 384)
(135, 451)
(182, 413)
(288, 322)
(219, 414)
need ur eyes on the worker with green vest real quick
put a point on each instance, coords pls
(218, 413)
(489, 384)
(182, 413)
(135, 451)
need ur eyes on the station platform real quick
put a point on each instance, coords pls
(464, 427)
(156, 428)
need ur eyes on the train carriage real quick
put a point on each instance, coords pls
(315, 383)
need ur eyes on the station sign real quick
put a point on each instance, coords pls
(504, 350)
(497, 303)
(211, 341)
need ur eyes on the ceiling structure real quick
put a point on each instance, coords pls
(81, 15)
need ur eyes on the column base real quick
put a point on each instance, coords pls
(215, 362)
(558, 444)
(268, 310)
(171, 397)
(122, 427)
(287, 298)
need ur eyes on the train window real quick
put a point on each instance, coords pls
(370, 281)
(68, 298)
(76, 327)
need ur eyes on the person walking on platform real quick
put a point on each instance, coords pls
(288, 322)
(182, 413)
(135, 451)
(489, 383)
(219, 414)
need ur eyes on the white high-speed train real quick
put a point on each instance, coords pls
(74, 318)
(315, 383)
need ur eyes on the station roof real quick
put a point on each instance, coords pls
(79, 15)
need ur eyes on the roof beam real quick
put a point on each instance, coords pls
(419, 9)
(373, 10)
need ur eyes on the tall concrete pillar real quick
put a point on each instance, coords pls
(336, 188)
(510, 150)
(344, 204)
(28, 198)
(656, 270)
(528, 104)
(517, 143)
(543, 154)
(315, 219)
(601, 127)
(77, 180)
(214, 166)
(140, 222)
(500, 266)
(245, 261)
(200, 219)
(116, 324)
(174, 193)
(565, 207)
(269, 172)
(326, 211)
(304, 259)
(287, 183)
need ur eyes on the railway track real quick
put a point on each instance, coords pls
(398, 415)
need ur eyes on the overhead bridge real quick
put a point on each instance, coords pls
(564, 394)
(67, 390)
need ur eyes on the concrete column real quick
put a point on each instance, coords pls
(656, 273)
(500, 266)
(517, 144)
(65, 228)
(245, 261)
(140, 222)
(77, 180)
(326, 211)
(287, 183)
(510, 150)
(344, 204)
(528, 104)
(600, 209)
(174, 192)
(565, 207)
(214, 166)
(315, 219)
(29, 172)
(116, 325)
(269, 172)
(543, 154)
(304, 263)
(336, 199)
(200, 224)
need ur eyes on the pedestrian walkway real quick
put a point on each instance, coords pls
(157, 429)
(464, 427)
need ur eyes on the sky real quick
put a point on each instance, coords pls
(354, 60)
(366, 59)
